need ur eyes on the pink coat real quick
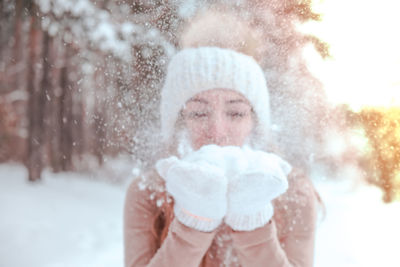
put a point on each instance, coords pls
(287, 240)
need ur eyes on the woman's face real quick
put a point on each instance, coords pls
(218, 116)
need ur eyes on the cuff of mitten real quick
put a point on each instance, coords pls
(249, 222)
(200, 223)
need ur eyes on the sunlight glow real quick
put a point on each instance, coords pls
(365, 46)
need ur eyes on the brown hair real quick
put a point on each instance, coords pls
(163, 219)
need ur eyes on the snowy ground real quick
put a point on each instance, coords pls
(69, 220)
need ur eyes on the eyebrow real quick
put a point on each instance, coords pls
(234, 101)
(200, 100)
(203, 101)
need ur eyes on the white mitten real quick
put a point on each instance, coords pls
(250, 192)
(199, 187)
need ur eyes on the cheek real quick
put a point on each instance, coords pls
(197, 133)
(241, 131)
(194, 127)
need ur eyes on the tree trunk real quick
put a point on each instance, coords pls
(99, 118)
(66, 118)
(44, 97)
(54, 109)
(34, 154)
(77, 110)
(18, 64)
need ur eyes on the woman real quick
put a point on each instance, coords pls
(221, 197)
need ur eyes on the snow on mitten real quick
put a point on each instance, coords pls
(251, 191)
(199, 187)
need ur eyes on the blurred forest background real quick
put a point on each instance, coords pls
(80, 81)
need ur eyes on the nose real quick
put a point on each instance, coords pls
(217, 130)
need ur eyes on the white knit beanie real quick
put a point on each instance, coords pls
(194, 70)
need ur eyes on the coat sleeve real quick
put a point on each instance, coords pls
(183, 246)
(295, 248)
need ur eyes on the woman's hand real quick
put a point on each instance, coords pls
(198, 185)
(232, 182)
(250, 192)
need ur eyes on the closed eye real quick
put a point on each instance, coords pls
(197, 115)
(236, 114)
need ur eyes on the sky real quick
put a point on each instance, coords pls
(364, 69)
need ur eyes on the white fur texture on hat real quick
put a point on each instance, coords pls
(194, 70)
